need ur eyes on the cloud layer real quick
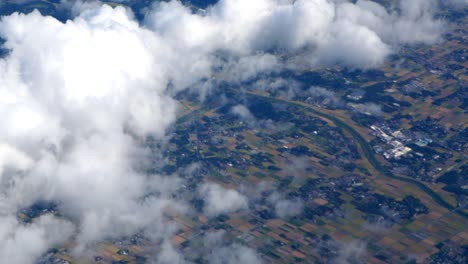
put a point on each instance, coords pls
(356, 35)
(79, 98)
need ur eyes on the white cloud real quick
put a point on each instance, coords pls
(169, 255)
(222, 252)
(233, 254)
(244, 113)
(248, 67)
(356, 35)
(351, 252)
(369, 108)
(285, 207)
(219, 200)
(23, 244)
(77, 98)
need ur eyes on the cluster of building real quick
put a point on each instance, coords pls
(398, 148)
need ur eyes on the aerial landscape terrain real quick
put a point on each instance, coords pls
(233, 131)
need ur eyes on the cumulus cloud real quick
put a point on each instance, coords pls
(357, 34)
(234, 254)
(221, 252)
(324, 95)
(351, 252)
(219, 200)
(79, 98)
(244, 114)
(265, 195)
(169, 255)
(286, 207)
(413, 21)
(76, 98)
(369, 109)
(248, 67)
(25, 243)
